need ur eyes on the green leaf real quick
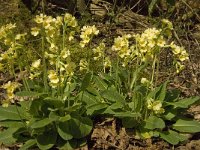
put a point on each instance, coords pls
(116, 105)
(172, 137)
(41, 123)
(152, 6)
(46, 140)
(129, 122)
(154, 122)
(187, 126)
(171, 114)
(82, 128)
(112, 95)
(65, 118)
(88, 98)
(28, 144)
(11, 124)
(86, 81)
(54, 116)
(77, 127)
(127, 114)
(100, 84)
(162, 92)
(56, 103)
(185, 103)
(64, 130)
(171, 2)
(12, 113)
(72, 144)
(94, 108)
(7, 136)
(28, 94)
(172, 95)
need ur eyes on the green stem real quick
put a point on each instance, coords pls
(153, 71)
(44, 66)
(116, 73)
(134, 75)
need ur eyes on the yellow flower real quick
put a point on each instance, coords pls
(144, 81)
(179, 67)
(107, 62)
(10, 88)
(36, 63)
(70, 20)
(167, 23)
(53, 78)
(161, 42)
(86, 34)
(20, 36)
(183, 56)
(35, 31)
(156, 106)
(83, 64)
(65, 53)
(40, 18)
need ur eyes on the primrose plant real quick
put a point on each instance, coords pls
(64, 79)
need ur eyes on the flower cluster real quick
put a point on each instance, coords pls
(54, 78)
(35, 69)
(57, 53)
(83, 64)
(99, 51)
(180, 55)
(155, 106)
(10, 87)
(121, 46)
(87, 32)
(149, 42)
(147, 45)
(5, 32)
(13, 44)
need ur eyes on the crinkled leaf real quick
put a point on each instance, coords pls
(82, 128)
(187, 126)
(46, 140)
(172, 95)
(65, 118)
(64, 130)
(77, 127)
(12, 113)
(72, 144)
(88, 98)
(126, 114)
(185, 103)
(28, 144)
(11, 124)
(57, 103)
(100, 83)
(172, 137)
(154, 122)
(28, 94)
(116, 105)
(170, 115)
(7, 136)
(96, 108)
(162, 92)
(129, 122)
(86, 81)
(41, 123)
(112, 95)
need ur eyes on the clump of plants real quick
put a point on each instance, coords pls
(68, 78)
